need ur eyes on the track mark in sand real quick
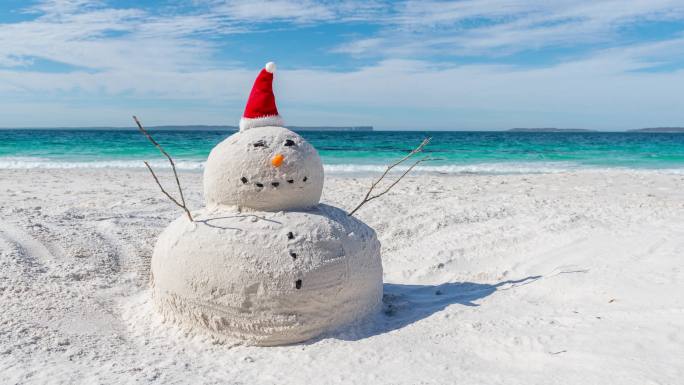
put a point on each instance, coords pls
(567, 269)
(30, 246)
(128, 258)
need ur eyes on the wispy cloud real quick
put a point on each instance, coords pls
(95, 35)
(63, 7)
(302, 11)
(115, 61)
(606, 91)
(497, 27)
(278, 10)
(90, 34)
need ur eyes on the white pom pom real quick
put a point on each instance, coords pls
(270, 67)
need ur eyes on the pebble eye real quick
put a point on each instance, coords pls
(289, 142)
(260, 143)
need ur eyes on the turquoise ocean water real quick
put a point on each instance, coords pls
(357, 152)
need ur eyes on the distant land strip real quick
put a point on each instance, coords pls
(550, 129)
(670, 130)
(200, 128)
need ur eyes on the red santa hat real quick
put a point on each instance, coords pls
(261, 108)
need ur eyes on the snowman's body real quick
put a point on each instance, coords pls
(265, 262)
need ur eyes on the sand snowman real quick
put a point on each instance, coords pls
(265, 262)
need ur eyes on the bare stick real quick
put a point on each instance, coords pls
(370, 197)
(180, 204)
(167, 194)
(161, 149)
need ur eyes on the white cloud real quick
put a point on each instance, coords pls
(497, 27)
(63, 7)
(144, 61)
(91, 34)
(301, 11)
(85, 35)
(605, 91)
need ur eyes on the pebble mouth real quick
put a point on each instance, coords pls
(274, 184)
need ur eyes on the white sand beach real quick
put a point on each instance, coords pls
(565, 278)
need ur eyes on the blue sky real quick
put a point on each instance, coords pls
(486, 64)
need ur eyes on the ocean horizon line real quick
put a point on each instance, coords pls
(359, 128)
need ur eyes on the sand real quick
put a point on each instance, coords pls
(560, 278)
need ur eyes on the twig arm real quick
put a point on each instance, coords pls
(185, 208)
(368, 197)
(401, 177)
(161, 149)
(180, 204)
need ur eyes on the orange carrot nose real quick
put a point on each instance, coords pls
(277, 160)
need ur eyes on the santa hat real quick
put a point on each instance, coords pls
(261, 108)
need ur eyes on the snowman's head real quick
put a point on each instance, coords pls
(266, 168)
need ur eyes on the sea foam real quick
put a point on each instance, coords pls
(20, 163)
(45, 163)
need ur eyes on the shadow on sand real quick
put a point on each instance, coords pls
(403, 305)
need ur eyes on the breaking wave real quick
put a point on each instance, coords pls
(45, 163)
(333, 169)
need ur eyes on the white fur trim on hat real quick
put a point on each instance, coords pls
(272, 120)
